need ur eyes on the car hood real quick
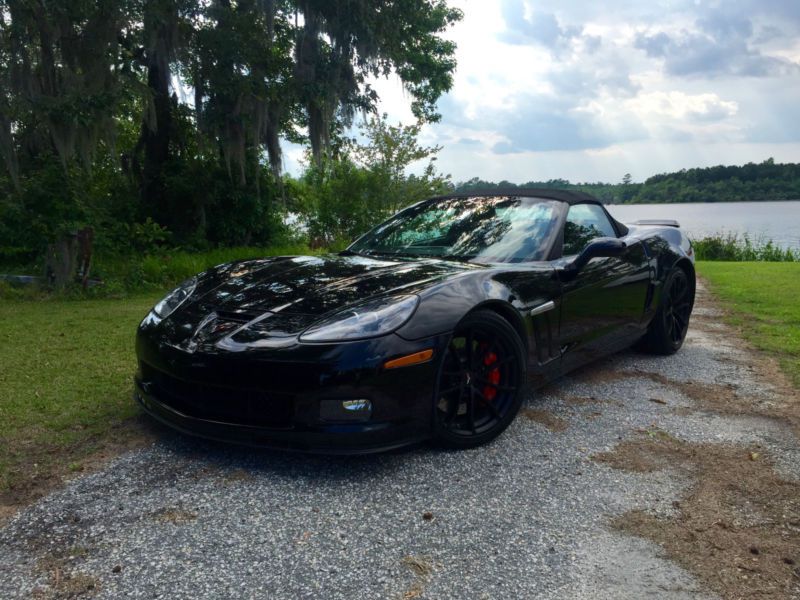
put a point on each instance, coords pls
(317, 285)
(280, 297)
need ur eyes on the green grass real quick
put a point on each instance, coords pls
(764, 300)
(65, 381)
(138, 273)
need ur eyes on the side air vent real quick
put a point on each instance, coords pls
(544, 325)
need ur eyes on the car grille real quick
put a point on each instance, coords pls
(217, 403)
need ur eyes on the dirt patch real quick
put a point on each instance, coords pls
(581, 400)
(237, 476)
(552, 422)
(42, 469)
(175, 515)
(783, 402)
(739, 527)
(64, 585)
(207, 471)
(781, 405)
(63, 581)
(658, 401)
(599, 373)
(422, 567)
(588, 401)
(710, 395)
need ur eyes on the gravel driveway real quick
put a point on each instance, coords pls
(526, 517)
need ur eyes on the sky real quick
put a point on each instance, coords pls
(589, 91)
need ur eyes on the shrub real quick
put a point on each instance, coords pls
(733, 247)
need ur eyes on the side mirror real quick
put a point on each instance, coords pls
(598, 247)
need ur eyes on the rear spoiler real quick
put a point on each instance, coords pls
(659, 222)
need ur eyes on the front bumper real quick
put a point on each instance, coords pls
(262, 401)
(345, 438)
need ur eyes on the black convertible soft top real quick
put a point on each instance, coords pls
(568, 196)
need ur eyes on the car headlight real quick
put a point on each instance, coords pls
(369, 319)
(175, 298)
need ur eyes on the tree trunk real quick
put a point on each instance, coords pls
(60, 262)
(156, 131)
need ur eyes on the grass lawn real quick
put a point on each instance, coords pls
(65, 385)
(764, 302)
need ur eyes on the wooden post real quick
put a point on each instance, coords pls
(60, 261)
(85, 238)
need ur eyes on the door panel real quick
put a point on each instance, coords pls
(602, 307)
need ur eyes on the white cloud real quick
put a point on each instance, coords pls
(680, 106)
(589, 91)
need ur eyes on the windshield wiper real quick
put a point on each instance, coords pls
(371, 253)
(457, 257)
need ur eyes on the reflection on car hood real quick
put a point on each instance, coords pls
(280, 297)
(317, 285)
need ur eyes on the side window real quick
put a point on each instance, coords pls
(584, 223)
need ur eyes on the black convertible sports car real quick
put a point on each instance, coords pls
(426, 327)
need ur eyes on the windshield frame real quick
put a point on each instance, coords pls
(550, 246)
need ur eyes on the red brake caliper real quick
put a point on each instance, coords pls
(490, 392)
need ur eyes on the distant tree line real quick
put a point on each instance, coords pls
(752, 182)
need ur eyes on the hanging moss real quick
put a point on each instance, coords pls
(62, 72)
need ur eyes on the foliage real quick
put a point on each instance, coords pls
(607, 192)
(96, 129)
(343, 198)
(62, 84)
(126, 274)
(751, 182)
(732, 247)
(166, 269)
(335, 200)
(762, 302)
(51, 202)
(389, 152)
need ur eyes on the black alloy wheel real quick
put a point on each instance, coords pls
(671, 322)
(479, 386)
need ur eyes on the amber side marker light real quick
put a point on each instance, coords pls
(409, 359)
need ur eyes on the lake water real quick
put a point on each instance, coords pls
(761, 221)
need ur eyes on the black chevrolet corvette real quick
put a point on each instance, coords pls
(428, 327)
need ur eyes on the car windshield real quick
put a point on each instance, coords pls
(481, 229)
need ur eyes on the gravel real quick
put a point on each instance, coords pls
(525, 517)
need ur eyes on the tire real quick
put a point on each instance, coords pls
(479, 383)
(667, 330)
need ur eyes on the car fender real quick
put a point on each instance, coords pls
(512, 293)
